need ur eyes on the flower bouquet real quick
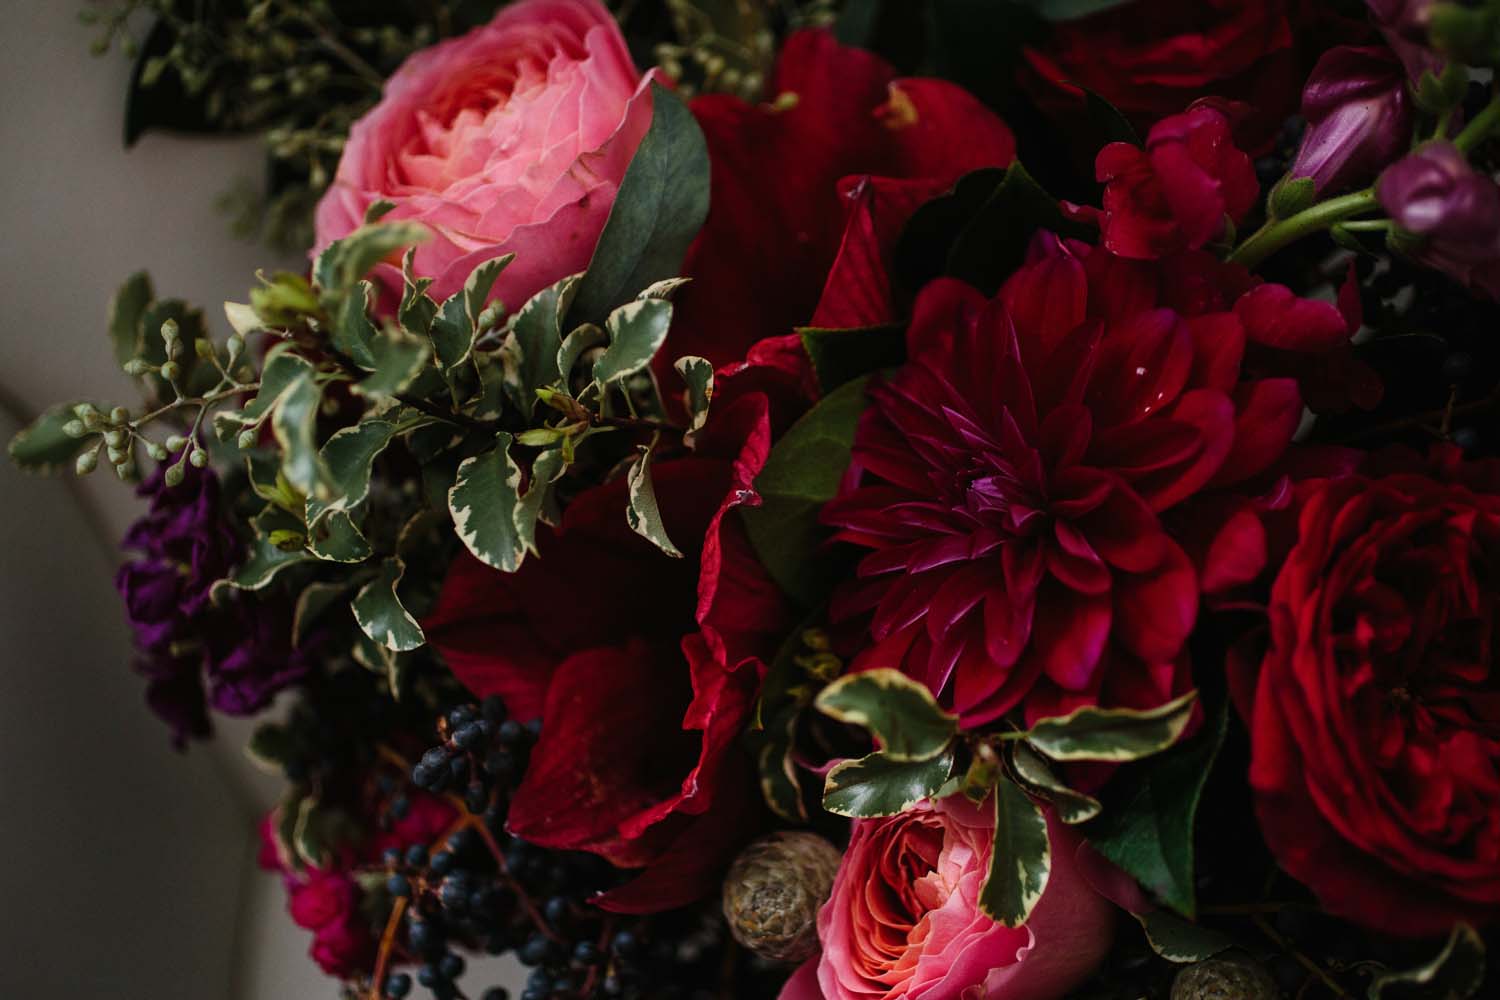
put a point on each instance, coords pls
(932, 500)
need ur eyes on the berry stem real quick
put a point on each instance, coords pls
(387, 946)
(527, 904)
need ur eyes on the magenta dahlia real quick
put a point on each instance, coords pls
(1012, 481)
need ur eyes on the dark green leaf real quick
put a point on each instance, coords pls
(878, 785)
(313, 602)
(641, 510)
(347, 460)
(456, 324)
(294, 423)
(125, 312)
(347, 260)
(801, 475)
(1070, 10)
(537, 329)
(1148, 820)
(994, 244)
(839, 356)
(1456, 973)
(266, 559)
(575, 345)
(1022, 858)
(545, 469)
(337, 538)
(353, 333)
(270, 747)
(483, 504)
(282, 369)
(417, 309)
(897, 710)
(1180, 941)
(380, 613)
(636, 332)
(660, 206)
(399, 361)
(1108, 123)
(780, 783)
(1113, 734)
(1032, 771)
(698, 374)
(43, 446)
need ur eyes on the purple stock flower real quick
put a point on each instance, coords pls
(184, 543)
(1435, 195)
(1359, 118)
(1404, 24)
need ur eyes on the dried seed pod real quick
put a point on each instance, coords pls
(1231, 976)
(774, 890)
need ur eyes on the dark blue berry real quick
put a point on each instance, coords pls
(586, 953)
(422, 776)
(477, 797)
(397, 885)
(424, 936)
(454, 894)
(397, 985)
(435, 759)
(391, 857)
(496, 993)
(416, 855)
(500, 764)
(400, 806)
(535, 951)
(493, 709)
(511, 733)
(558, 910)
(469, 736)
(1466, 438)
(451, 965)
(534, 727)
(442, 863)
(429, 976)
(625, 943)
(458, 769)
(460, 715)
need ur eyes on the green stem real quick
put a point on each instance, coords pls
(1278, 233)
(1480, 128)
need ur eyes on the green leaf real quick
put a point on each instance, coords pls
(294, 423)
(994, 244)
(348, 260)
(636, 332)
(1031, 770)
(1108, 123)
(266, 559)
(270, 747)
(545, 469)
(456, 324)
(1113, 734)
(839, 356)
(353, 333)
(801, 474)
(698, 374)
(336, 538)
(1178, 940)
(664, 289)
(126, 310)
(284, 299)
(44, 447)
(1457, 973)
(281, 370)
(879, 785)
(242, 318)
(1022, 858)
(897, 710)
(483, 502)
(642, 512)
(380, 614)
(1070, 10)
(399, 360)
(1147, 824)
(313, 602)
(348, 457)
(574, 346)
(659, 207)
(537, 330)
(417, 309)
(780, 784)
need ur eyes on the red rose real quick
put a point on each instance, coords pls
(1022, 482)
(1152, 58)
(1375, 717)
(776, 217)
(645, 668)
(1177, 193)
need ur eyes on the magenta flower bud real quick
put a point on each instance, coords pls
(1404, 24)
(1359, 118)
(1436, 196)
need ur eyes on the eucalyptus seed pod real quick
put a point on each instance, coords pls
(774, 890)
(1231, 976)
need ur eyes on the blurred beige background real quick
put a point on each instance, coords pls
(128, 870)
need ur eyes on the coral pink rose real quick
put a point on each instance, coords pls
(904, 922)
(512, 138)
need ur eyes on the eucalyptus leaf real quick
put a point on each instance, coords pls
(380, 613)
(1021, 860)
(897, 710)
(44, 447)
(1113, 734)
(483, 503)
(659, 208)
(880, 785)
(801, 474)
(642, 512)
(126, 310)
(636, 332)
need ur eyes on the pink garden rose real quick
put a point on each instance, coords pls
(512, 138)
(903, 922)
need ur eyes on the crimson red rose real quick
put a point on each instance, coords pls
(645, 669)
(1152, 58)
(776, 218)
(1023, 480)
(1177, 193)
(1375, 719)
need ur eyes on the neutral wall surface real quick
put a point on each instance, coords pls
(128, 869)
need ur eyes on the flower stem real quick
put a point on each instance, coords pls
(1481, 128)
(1278, 233)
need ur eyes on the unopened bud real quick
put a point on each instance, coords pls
(235, 345)
(87, 462)
(169, 333)
(156, 451)
(119, 415)
(247, 438)
(136, 367)
(75, 429)
(176, 442)
(124, 470)
(171, 371)
(173, 476)
(204, 349)
(199, 458)
(115, 438)
(117, 455)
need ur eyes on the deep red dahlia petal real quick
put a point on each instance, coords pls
(1268, 412)
(1213, 414)
(1155, 611)
(1068, 633)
